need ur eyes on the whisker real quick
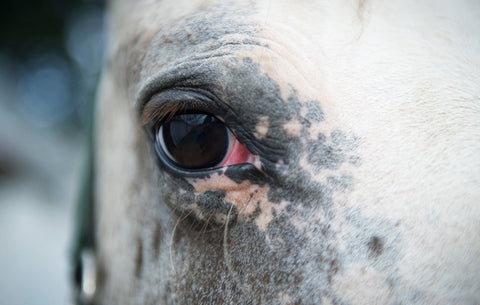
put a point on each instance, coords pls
(245, 206)
(225, 243)
(171, 242)
(203, 230)
(170, 218)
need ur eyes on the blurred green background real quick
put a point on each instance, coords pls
(50, 58)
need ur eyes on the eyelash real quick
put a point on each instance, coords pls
(164, 106)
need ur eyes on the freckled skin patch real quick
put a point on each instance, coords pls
(280, 236)
(265, 234)
(280, 216)
(375, 245)
(245, 196)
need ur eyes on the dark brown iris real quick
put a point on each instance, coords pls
(194, 141)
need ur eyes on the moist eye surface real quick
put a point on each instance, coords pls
(194, 140)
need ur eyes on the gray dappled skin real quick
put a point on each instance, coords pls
(204, 248)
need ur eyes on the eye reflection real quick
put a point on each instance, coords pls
(194, 140)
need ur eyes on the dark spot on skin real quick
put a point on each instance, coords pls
(354, 160)
(375, 245)
(245, 172)
(314, 112)
(330, 155)
(374, 242)
(324, 156)
(257, 212)
(139, 258)
(340, 184)
(212, 202)
(349, 143)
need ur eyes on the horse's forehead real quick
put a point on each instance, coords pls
(278, 36)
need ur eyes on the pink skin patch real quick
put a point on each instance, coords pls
(237, 154)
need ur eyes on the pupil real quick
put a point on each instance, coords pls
(194, 141)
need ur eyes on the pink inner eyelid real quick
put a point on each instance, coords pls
(237, 153)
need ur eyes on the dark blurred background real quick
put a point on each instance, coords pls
(50, 58)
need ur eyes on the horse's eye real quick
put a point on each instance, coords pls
(194, 140)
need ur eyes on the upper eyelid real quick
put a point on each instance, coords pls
(195, 72)
(168, 102)
(200, 76)
(186, 77)
(165, 104)
(167, 78)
